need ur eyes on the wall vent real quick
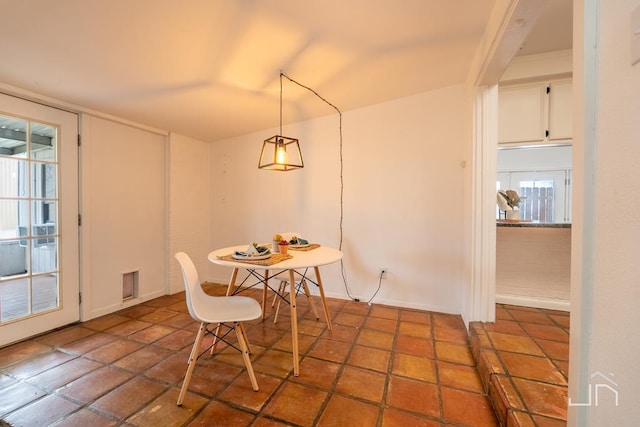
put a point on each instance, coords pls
(130, 285)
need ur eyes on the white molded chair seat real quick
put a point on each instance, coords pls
(223, 312)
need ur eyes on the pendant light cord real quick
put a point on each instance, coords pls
(342, 268)
(281, 74)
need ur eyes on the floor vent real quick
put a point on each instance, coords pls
(129, 285)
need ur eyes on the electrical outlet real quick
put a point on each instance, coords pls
(384, 273)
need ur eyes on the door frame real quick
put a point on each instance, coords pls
(69, 244)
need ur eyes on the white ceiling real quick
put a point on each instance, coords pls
(553, 30)
(210, 68)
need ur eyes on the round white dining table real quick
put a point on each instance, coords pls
(300, 260)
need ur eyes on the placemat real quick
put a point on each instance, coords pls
(273, 259)
(312, 246)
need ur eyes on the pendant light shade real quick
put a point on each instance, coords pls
(280, 153)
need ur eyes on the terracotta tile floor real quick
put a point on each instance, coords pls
(523, 360)
(379, 366)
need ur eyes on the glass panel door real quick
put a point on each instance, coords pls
(38, 264)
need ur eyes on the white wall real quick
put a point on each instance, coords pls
(123, 193)
(403, 198)
(188, 206)
(605, 276)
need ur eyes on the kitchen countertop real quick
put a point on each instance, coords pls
(531, 224)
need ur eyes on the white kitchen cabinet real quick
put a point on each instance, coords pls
(560, 110)
(535, 113)
(521, 113)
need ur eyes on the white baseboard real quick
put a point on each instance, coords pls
(551, 304)
(102, 311)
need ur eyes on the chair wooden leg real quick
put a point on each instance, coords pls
(246, 337)
(281, 290)
(244, 346)
(193, 357)
(310, 299)
(215, 339)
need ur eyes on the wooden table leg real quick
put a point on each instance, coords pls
(324, 301)
(294, 325)
(264, 293)
(232, 282)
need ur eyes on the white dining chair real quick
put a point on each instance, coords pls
(215, 314)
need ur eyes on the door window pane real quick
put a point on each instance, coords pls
(45, 293)
(15, 299)
(13, 137)
(14, 220)
(44, 217)
(43, 177)
(44, 255)
(43, 142)
(12, 177)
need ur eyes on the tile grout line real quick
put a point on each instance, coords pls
(436, 358)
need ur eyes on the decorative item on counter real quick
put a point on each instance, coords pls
(509, 202)
(283, 245)
(275, 243)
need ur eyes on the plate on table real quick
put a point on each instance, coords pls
(304, 245)
(251, 257)
(262, 252)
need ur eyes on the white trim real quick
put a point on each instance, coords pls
(483, 231)
(585, 125)
(72, 108)
(84, 183)
(508, 27)
(110, 309)
(551, 304)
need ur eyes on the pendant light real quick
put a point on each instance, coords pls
(280, 153)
